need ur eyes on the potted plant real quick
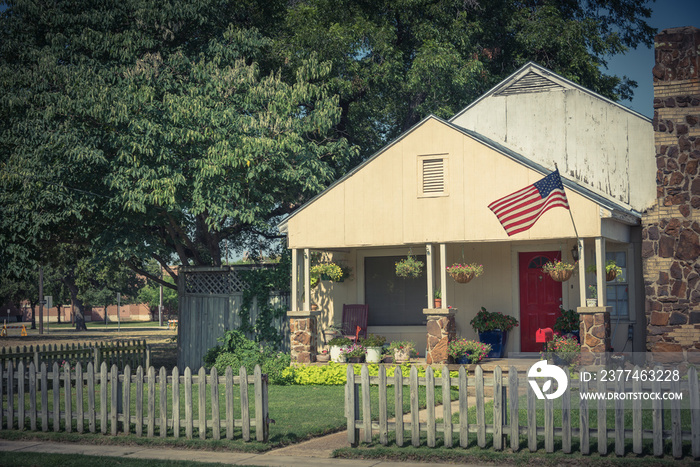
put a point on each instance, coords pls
(354, 353)
(373, 347)
(409, 267)
(463, 273)
(493, 329)
(567, 323)
(323, 357)
(337, 345)
(403, 351)
(559, 270)
(463, 351)
(438, 299)
(330, 333)
(562, 350)
(592, 299)
(612, 270)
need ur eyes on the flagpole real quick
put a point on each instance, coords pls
(570, 215)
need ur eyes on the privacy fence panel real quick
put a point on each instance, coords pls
(133, 352)
(211, 300)
(503, 410)
(66, 398)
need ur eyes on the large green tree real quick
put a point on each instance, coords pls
(160, 129)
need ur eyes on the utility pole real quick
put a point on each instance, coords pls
(160, 307)
(119, 320)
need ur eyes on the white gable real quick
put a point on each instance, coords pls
(550, 120)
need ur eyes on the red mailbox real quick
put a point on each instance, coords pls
(544, 335)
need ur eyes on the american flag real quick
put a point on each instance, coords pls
(519, 211)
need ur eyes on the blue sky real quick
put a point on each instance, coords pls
(637, 64)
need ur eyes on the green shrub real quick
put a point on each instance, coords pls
(238, 351)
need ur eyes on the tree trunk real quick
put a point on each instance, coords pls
(69, 281)
(33, 306)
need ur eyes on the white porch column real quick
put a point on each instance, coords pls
(443, 274)
(600, 269)
(581, 272)
(295, 280)
(429, 269)
(307, 280)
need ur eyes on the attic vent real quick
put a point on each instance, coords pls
(531, 82)
(433, 176)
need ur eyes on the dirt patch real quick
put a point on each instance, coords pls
(163, 346)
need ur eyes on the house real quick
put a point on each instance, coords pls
(427, 193)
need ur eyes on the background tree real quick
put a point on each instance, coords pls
(396, 61)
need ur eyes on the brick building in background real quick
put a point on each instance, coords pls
(671, 230)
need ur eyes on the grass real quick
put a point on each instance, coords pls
(29, 459)
(96, 325)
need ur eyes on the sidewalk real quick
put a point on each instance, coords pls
(272, 458)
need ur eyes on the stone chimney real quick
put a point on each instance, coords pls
(671, 230)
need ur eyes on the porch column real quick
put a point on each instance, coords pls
(302, 334)
(307, 280)
(600, 270)
(295, 280)
(581, 272)
(429, 268)
(594, 333)
(441, 330)
(443, 274)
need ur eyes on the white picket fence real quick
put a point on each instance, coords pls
(505, 392)
(103, 400)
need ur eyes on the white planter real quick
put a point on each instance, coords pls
(373, 354)
(591, 302)
(336, 355)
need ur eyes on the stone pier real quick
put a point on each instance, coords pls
(441, 329)
(594, 333)
(302, 333)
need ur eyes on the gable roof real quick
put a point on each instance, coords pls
(532, 77)
(622, 212)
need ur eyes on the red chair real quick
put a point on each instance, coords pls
(354, 316)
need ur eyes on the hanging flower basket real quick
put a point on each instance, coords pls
(561, 276)
(463, 273)
(558, 270)
(610, 275)
(409, 267)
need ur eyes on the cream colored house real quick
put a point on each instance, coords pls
(427, 192)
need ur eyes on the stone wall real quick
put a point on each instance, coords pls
(671, 230)
(441, 330)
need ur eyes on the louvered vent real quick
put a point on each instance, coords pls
(433, 176)
(531, 82)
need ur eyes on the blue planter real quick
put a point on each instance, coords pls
(497, 339)
(463, 360)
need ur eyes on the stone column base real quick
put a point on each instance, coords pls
(594, 333)
(302, 334)
(441, 329)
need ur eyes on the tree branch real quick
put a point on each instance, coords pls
(151, 276)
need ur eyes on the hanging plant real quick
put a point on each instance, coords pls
(327, 271)
(463, 273)
(409, 267)
(559, 271)
(612, 270)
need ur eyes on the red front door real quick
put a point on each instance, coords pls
(540, 297)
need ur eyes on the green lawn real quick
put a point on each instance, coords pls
(31, 459)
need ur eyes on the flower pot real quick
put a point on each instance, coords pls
(373, 354)
(591, 302)
(329, 335)
(561, 275)
(610, 275)
(323, 358)
(356, 359)
(438, 303)
(462, 360)
(336, 355)
(575, 335)
(401, 356)
(497, 339)
(462, 277)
